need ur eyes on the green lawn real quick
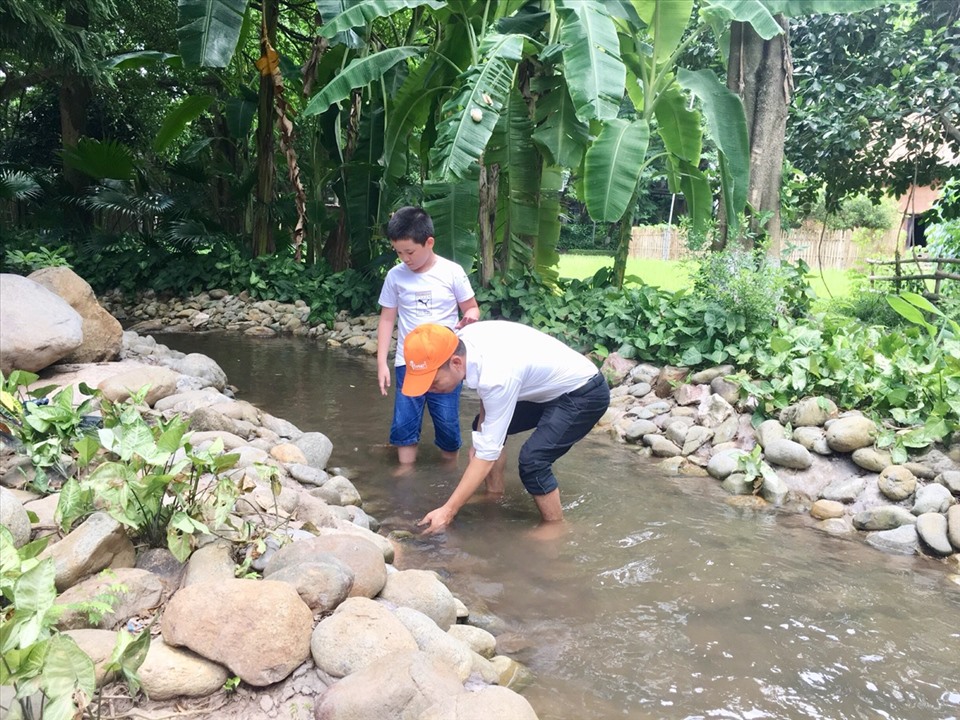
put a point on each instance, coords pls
(675, 274)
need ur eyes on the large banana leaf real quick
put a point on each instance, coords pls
(341, 15)
(727, 126)
(666, 20)
(677, 126)
(693, 184)
(209, 30)
(454, 207)
(358, 73)
(361, 177)
(612, 168)
(559, 132)
(179, 116)
(519, 162)
(545, 255)
(140, 59)
(721, 13)
(795, 8)
(468, 119)
(591, 57)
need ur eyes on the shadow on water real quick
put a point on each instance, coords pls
(660, 601)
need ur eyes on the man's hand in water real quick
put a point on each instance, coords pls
(436, 520)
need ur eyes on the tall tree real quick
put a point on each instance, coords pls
(877, 103)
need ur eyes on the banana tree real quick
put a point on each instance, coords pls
(520, 97)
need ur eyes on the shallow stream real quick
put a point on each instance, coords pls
(661, 601)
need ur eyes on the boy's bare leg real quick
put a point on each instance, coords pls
(495, 478)
(450, 457)
(549, 506)
(407, 454)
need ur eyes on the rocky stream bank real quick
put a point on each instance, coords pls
(330, 626)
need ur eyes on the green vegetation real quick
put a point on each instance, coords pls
(37, 660)
(676, 275)
(901, 371)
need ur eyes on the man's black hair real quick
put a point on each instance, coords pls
(410, 223)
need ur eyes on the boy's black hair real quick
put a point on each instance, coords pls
(410, 223)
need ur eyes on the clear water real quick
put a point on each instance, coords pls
(661, 601)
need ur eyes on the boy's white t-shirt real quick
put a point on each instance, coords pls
(433, 296)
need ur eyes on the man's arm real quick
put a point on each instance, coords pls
(388, 316)
(473, 476)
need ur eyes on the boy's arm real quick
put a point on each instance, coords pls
(470, 312)
(388, 317)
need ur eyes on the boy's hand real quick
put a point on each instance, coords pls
(464, 321)
(383, 377)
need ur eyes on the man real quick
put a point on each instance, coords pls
(525, 379)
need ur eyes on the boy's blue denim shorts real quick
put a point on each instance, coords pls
(408, 416)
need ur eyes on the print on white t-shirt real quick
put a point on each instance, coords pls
(424, 303)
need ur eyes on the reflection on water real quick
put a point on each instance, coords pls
(660, 601)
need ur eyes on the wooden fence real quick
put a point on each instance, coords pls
(840, 249)
(931, 270)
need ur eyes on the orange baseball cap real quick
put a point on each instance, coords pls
(425, 349)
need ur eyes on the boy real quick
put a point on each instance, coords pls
(423, 288)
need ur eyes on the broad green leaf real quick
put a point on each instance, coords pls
(727, 125)
(677, 126)
(35, 590)
(86, 448)
(468, 118)
(74, 502)
(510, 147)
(612, 167)
(908, 311)
(591, 57)
(67, 669)
(696, 191)
(178, 544)
(454, 207)
(666, 20)
(178, 117)
(358, 73)
(100, 159)
(209, 30)
(796, 8)
(409, 112)
(559, 132)
(545, 255)
(239, 113)
(171, 439)
(362, 181)
(722, 12)
(921, 302)
(140, 59)
(128, 655)
(341, 15)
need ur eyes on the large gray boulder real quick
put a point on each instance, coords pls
(102, 333)
(39, 327)
(399, 686)
(14, 517)
(259, 629)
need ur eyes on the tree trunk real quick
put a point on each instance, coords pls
(263, 240)
(489, 184)
(75, 93)
(761, 73)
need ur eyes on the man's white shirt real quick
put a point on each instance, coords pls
(508, 362)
